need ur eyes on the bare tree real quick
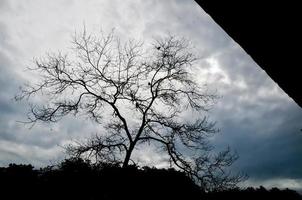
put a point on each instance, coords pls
(146, 92)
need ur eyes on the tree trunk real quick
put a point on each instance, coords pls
(128, 155)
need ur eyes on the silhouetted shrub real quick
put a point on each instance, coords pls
(79, 179)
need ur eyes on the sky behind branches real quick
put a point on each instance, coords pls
(256, 118)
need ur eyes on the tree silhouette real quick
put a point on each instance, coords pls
(145, 92)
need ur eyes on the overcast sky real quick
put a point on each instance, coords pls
(256, 118)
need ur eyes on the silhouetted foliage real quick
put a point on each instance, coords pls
(145, 92)
(79, 179)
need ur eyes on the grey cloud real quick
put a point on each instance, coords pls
(259, 121)
(41, 136)
(185, 19)
(4, 5)
(8, 85)
(7, 157)
(269, 144)
(19, 153)
(3, 34)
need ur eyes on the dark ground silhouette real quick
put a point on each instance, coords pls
(78, 179)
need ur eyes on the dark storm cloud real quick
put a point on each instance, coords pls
(266, 153)
(258, 120)
(281, 151)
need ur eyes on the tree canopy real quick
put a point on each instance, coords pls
(139, 94)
